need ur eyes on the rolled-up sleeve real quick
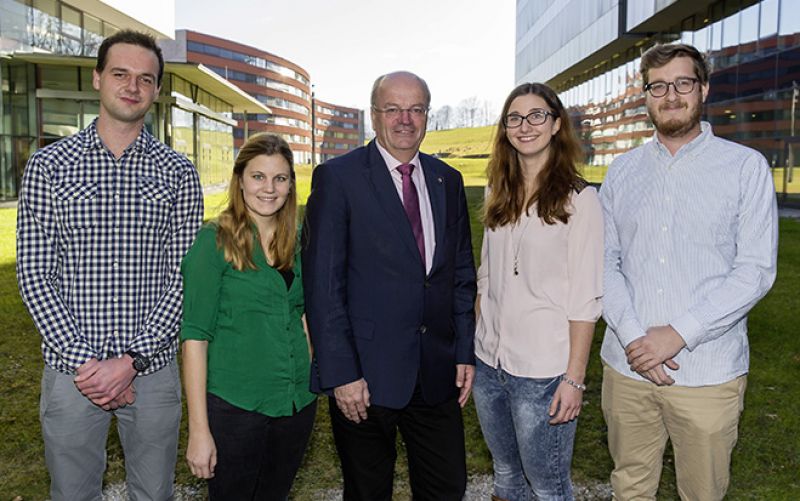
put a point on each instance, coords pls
(585, 258)
(202, 271)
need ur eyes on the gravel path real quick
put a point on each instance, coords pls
(479, 488)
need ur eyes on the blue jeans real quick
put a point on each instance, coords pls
(531, 457)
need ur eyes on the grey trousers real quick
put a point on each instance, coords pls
(75, 433)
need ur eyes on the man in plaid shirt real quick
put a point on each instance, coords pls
(105, 217)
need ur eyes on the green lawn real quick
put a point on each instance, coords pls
(766, 461)
(460, 142)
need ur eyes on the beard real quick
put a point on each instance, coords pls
(675, 127)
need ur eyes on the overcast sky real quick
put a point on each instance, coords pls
(462, 48)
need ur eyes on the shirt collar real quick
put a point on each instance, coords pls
(690, 148)
(92, 140)
(392, 163)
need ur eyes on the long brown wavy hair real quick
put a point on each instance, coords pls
(235, 233)
(506, 199)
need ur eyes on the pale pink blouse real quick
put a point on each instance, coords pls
(524, 319)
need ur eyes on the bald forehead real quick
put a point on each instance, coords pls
(402, 82)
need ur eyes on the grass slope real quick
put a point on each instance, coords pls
(460, 142)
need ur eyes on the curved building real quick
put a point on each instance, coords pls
(280, 84)
(47, 57)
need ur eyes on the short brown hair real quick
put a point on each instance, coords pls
(661, 54)
(130, 37)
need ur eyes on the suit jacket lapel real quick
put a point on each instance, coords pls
(436, 192)
(378, 175)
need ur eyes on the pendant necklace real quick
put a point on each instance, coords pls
(518, 247)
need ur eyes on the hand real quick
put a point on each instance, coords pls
(102, 381)
(566, 404)
(127, 397)
(201, 454)
(660, 344)
(464, 376)
(353, 400)
(658, 375)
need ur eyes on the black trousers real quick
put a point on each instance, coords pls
(434, 439)
(257, 456)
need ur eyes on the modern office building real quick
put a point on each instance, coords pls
(338, 130)
(280, 84)
(590, 53)
(47, 50)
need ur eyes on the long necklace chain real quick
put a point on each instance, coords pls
(518, 246)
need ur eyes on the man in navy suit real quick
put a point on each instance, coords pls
(390, 289)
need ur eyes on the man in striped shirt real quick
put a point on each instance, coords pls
(105, 217)
(691, 246)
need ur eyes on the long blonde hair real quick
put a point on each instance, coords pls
(235, 228)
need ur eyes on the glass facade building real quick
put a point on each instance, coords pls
(753, 48)
(47, 54)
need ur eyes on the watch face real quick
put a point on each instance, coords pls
(140, 363)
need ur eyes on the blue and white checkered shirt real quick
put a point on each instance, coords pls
(691, 241)
(99, 247)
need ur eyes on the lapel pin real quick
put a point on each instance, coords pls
(439, 179)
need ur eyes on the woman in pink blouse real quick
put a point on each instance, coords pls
(539, 285)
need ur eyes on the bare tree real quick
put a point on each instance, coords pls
(440, 118)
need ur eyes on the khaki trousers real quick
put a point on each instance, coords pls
(701, 422)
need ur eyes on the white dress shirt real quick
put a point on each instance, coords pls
(425, 212)
(691, 241)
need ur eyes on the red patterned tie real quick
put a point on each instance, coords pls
(411, 204)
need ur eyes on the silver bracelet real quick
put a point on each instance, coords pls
(572, 383)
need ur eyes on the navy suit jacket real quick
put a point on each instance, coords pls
(372, 311)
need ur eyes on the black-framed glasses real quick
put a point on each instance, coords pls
(393, 112)
(535, 117)
(683, 85)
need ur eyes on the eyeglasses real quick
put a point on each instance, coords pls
(683, 85)
(392, 112)
(535, 117)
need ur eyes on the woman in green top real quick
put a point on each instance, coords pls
(245, 349)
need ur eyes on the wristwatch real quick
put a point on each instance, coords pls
(140, 362)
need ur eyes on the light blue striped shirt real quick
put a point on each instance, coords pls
(691, 241)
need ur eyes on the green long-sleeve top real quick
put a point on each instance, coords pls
(257, 349)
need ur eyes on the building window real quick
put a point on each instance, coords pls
(256, 61)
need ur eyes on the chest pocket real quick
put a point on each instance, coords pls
(77, 204)
(154, 202)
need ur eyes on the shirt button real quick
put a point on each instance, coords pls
(423, 329)
(116, 196)
(667, 198)
(116, 333)
(116, 264)
(660, 291)
(114, 299)
(664, 228)
(662, 260)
